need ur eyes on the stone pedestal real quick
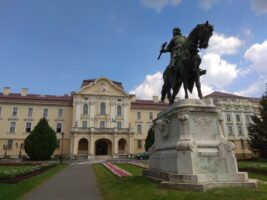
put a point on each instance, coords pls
(190, 151)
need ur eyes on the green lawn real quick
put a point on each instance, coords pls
(134, 170)
(16, 191)
(260, 165)
(138, 187)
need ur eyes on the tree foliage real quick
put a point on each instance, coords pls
(258, 129)
(149, 139)
(42, 141)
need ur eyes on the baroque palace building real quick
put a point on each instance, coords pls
(101, 119)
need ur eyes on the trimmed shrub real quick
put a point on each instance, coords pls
(42, 141)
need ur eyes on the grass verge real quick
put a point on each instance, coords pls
(16, 191)
(138, 187)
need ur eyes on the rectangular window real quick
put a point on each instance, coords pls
(150, 116)
(15, 112)
(139, 144)
(60, 112)
(45, 114)
(230, 130)
(0, 111)
(9, 144)
(30, 112)
(228, 117)
(139, 129)
(138, 115)
(240, 130)
(102, 124)
(12, 127)
(59, 128)
(84, 124)
(28, 127)
(118, 125)
(238, 118)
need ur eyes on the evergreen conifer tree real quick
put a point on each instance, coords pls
(149, 139)
(42, 141)
(258, 129)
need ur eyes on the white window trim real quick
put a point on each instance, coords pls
(61, 127)
(59, 112)
(10, 127)
(26, 127)
(44, 113)
(29, 112)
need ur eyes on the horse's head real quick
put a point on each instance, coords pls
(204, 34)
(201, 34)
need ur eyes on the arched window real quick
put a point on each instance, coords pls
(102, 108)
(119, 110)
(85, 109)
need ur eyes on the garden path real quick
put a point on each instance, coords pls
(75, 182)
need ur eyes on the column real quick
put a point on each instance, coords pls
(125, 115)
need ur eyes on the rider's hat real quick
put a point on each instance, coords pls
(176, 30)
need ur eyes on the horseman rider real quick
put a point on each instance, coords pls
(174, 46)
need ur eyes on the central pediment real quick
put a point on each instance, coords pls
(102, 86)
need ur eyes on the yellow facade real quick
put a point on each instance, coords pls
(100, 119)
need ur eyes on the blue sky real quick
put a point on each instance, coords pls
(51, 46)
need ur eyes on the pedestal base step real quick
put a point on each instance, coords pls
(202, 187)
(200, 182)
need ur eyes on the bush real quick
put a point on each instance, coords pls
(42, 141)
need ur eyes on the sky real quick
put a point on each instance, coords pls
(50, 46)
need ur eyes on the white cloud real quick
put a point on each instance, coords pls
(150, 87)
(260, 6)
(159, 4)
(206, 4)
(252, 90)
(256, 54)
(222, 45)
(220, 73)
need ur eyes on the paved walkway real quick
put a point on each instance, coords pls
(77, 182)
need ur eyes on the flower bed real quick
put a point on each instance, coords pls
(116, 170)
(14, 174)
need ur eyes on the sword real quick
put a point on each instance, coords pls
(162, 49)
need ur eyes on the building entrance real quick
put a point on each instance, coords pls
(103, 147)
(83, 147)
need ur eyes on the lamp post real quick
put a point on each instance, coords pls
(61, 157)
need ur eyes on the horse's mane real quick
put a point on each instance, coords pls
(194, 32)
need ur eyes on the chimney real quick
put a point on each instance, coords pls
(24, 92)
(155, 99)
(133, 97)
(6, 91)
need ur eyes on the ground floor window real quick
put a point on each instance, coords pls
(139, 144)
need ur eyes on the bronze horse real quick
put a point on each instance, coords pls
(186, 69)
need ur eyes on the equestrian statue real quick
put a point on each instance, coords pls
(185, 61)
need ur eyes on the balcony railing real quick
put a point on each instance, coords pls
(101, 130)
